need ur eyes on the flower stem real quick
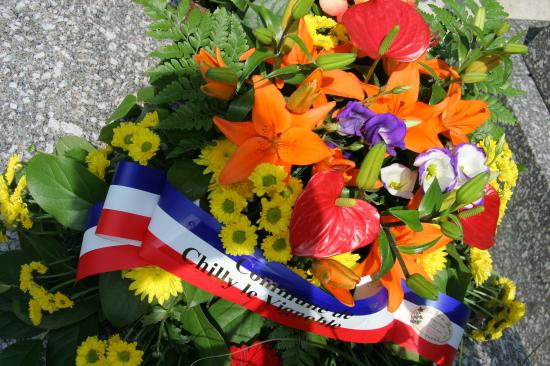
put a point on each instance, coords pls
(61, 285)
(396, 253)
(371, 70)
(56, 275)
(84, 292)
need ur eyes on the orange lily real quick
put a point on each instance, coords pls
(275, 135)
(336, 278)
(336, 162)
(406, 106)
(335, 82)
(404, 236)
(213, 88)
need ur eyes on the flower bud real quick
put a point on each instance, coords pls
(222, 74)
(263, 35)
(472, 190)
(303, 97)
(334, 273)
(503, 29)
(474, 77)
(516, 49)
(484, 64)
(334, 61)
(370, 167)
(301, 8)
(422, 287)
(401, 89)
(452, 230)
(479, 20)
(355, 146)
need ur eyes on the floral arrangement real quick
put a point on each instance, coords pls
(352, 152)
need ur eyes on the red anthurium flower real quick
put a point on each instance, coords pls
(258, 354)
(323, 225)
(479, 230)
(369, 23)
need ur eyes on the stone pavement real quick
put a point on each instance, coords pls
(66, 64)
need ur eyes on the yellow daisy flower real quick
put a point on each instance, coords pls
(325, 32)
(214, 157)
(481, 265)
(144, 146)
(35, 312)
(348, 259)
(268, 179)
(226, 205)
(433, 262)
(276, 248)
(478, 335)
(508, 286)
(516, 311)
(25, 218)
(275, 215)
(300, 272)
(154, 283)
(123, 135)
(293, 190)
(97, 163)
(62, 301)
(240, 237)
(151, 119)
(120, 353)
(14, 164)
(91, 352)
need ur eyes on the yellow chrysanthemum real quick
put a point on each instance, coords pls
(502, 164)
(97, 163)
(226, 205)
(348, 259)
(26, 279)
(25, 217)
(275, 215)
(214, 157)
(120, 353)
(433, 262)
(35, 312)
(293, 190)
(12, 206)
(508, 286)
(300, 272)
(124, 134)
(276, 248)
(144, 146)
(151, 119)
(14, 164)
(516, 311)
(239, 237)
(154, 283)
(268, 179)
(91, 352)
(325, 32)
(481, 265)
(478, 335)
(62, 301)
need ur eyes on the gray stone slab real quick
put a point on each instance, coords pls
(538, 62)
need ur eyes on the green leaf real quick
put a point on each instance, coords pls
(63, 342)
(68, 143)
(301, 44)
(386, 255)
(416, 249)
(10, 266)
(128, 105)
(4, 288)
(422, 287)
(241, 106)
(409, 217)
(77, 154)
(146, 94)
(370, 167)
(239, 324)
(452, 229)
(106, 133)
(64, 188)
(432, 200)
(120, 306)
(194, 295)
(22, 353)
(204, 336)
(451, 249)
(10, 326)
(254, 61)
(441, 278)
(188, 178)
(438, 93)
(253, 20)
(42, 248)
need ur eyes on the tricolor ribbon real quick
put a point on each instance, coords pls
(146, 221)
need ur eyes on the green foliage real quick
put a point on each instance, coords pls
(63, 342)
(295, 350)
(23, 353)
(64, 188)
(195, 296)
(188, 178)
(238, 324)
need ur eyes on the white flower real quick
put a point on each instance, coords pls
(469, 161)
(399, 180)
(436, 163)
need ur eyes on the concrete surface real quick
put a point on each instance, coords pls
(65, 65)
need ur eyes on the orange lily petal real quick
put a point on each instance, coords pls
(269, 114)
(342, 83)
(370, 89)
(423, 136)
(236, 132)
(392, 282)
(343, 295)
(219, 57)
(252, 152)
(405, 74)
(312, 118)
(299, 146)
(218, 90)
(247, 54)
(296, 55)
(405, 236)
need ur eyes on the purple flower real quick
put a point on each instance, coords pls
(468, 161)
(388, 128)
(436, 163)
(353, 118)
